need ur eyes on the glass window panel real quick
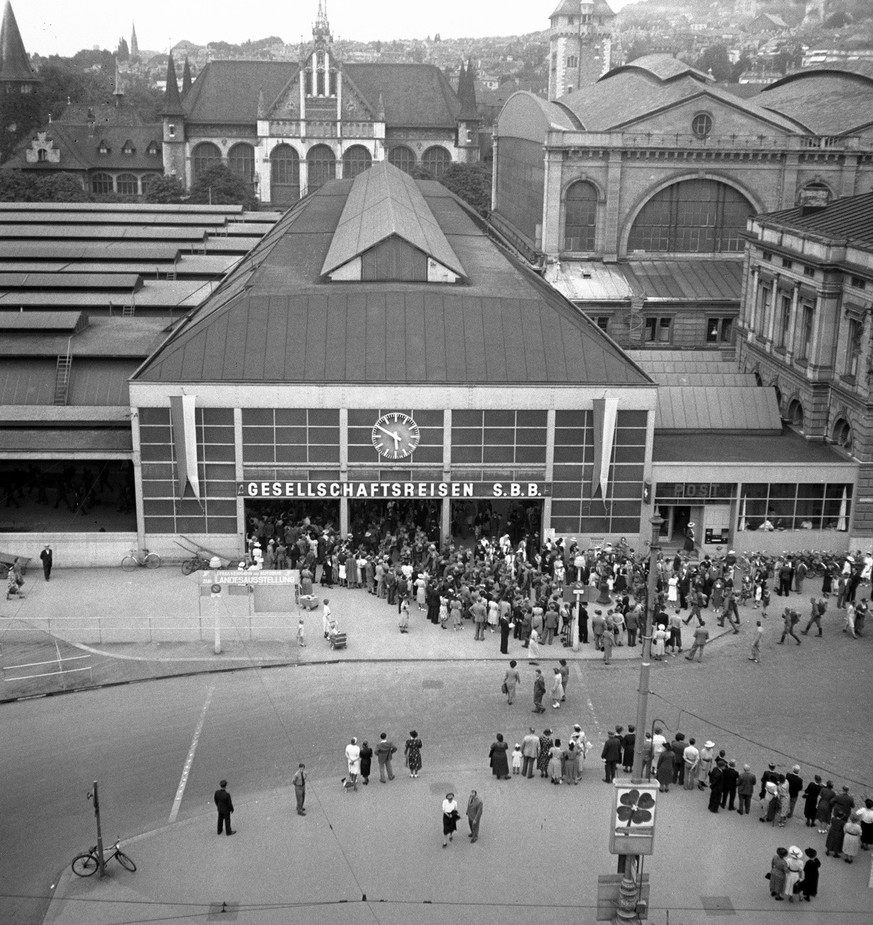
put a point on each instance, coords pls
(291, 435)
(466, 436)
(574, 418)
(580, 221)
(466, 454)
(755, 490)
(325, 417)
(530, 454)
(504, 436)
(783, 491)
(500, 419)
(329, 435)
(466, 419)
(498, 454)
(531, 436)
(319, 454)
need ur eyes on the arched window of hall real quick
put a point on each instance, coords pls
(356, 159)
(284, 175)
(580, 216)
(321, 165)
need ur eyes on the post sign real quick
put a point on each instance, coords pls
(392, 490)
(632, 826)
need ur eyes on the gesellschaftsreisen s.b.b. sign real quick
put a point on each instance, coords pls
(392, 490)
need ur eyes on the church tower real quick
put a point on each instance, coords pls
(580, 45)
(173, 117)
(134, 43)
(468, 116)
(16, 74)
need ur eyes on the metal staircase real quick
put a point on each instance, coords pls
(62, 378)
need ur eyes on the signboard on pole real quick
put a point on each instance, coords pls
(632, 825)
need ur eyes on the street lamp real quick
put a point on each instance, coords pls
(629, 864)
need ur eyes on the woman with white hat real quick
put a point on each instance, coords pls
(706, 758)
(794, 874)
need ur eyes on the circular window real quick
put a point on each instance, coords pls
(701, 125)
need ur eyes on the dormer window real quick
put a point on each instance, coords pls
(128, 148)
(103, 148)
(152, 149)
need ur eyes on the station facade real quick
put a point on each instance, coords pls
(382, 347)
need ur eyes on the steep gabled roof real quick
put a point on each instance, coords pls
(415, 95)
(80, 148)
(14, 63)
(226, 92)
(384, 202)
(275, 319)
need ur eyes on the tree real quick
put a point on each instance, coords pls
(123, 53)
(59, 187)
(472, 182)
(638, 49)
(165, 189)
(221, 186)
(716, 60)
(16, 186)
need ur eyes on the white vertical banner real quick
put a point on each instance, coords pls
(605, 412)
(185, 442)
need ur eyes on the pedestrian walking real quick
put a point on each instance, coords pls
(353, 759)
(299, 782)
(366, 761)
(565, 676)
(474, 815)
(301, 633)
(511, 680)
(47, 561)
(817, 606)
(557, 689)
(450, 818)
(384, 750)
(498, 758)
(412, 753)
(539, 691)
(224, 804)
(701, 636)
(756, 643)
(607, 641)
(790, 619)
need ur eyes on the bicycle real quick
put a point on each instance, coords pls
(84, 865)
(146, 559)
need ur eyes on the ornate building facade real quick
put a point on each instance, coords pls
(288, 128)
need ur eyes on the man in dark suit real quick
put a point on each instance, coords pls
(384, 750)
(474, 815)
(46, 556)
(225, 808)
(611, 756)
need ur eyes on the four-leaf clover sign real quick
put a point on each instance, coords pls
(635, 808)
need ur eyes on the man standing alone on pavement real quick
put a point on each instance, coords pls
(539, 690)
(46, 556)
(701, 636)
(299, 781)
(530, 751)
(474, 815)
(225, 807)
(384, 750)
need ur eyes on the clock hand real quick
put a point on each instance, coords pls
(392, 435)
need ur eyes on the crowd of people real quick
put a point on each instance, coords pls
(524, 590)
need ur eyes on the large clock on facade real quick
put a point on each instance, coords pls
(395, 435)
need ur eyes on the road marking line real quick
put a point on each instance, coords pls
(186, 768)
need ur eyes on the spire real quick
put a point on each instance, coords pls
(134, 44)
(321, 30)
(118, 93)
(467, 93)
(186, 77)
(14, 63)
(172, 101)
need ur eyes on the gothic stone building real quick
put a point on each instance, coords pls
(288, 128)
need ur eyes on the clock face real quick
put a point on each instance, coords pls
(395, 435)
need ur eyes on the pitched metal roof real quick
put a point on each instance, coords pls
(786, 447)
(274, 320)
(846, 219)
(414, 95)
(717, 408)
(382, 202)
(709, 280)
(687, 280)
(63, 441)
(660, 65)
(226, 92)
(48, 322)
(830, 100)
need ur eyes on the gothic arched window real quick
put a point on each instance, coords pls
(321, 165)
(356, 159)
(204, 156)
(284, 175)
(402, 157)
(436, 161)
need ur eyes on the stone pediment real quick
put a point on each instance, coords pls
(45, 143)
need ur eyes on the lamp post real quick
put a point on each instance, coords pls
(629, 864)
